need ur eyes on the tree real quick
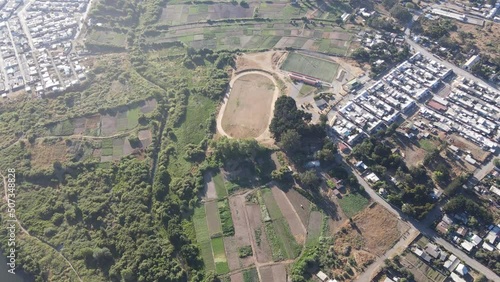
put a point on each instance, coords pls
(287, 116)
(401, 14)
(361, 55)
(309, 179)
(290, 141)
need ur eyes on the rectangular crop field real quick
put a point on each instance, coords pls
(221, 266)
(353, 203)
(107, 147)
(107, 37)
(251, 275)
(220, 187)
(214, 223)
(121, 121)
(118, 148)
(225, 218)
(311, 66)
(133, 117)
(203, 237)
(63, 128)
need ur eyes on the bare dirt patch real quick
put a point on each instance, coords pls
(210, 192)
(127, 148)
(363, 257)
(213, 220)
(149, 106)
(241, 236)
(476, 152)
(379, 228)
(263, 250)
(296, 226)
(79, 125)
(145, 137)
(237, 277)
(248, 108)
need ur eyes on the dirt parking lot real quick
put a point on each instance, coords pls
(248, 109)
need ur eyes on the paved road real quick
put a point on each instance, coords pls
(422, 226)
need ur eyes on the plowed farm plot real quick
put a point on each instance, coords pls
(214, 225)
(263, 249)
(300, 204)
(241, 236)
(291, 216)
(275, 273)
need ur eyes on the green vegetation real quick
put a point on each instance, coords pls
(107, 147)
(251, 275)
(427, 145)
(63, 128)
(278, 232)
(353, 203)
(245, 251)
(225, 218)
(220, 187)
(203, 237)
(311, 66)
(221, 266)
(389, 54)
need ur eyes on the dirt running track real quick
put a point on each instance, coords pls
(291, 216)
(266, 135)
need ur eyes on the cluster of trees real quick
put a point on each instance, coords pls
(396, 269)
(291, 129)
(381, 51)
(412, 194)
(461, 204)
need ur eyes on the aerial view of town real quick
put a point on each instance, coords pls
(250, 140)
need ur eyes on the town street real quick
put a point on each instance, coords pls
(422, 226)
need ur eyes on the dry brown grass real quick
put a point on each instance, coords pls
(486, 38)
(44, 155)
(248, 108)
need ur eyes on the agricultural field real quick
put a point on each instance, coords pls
(248, 109)
(103, 125)
(221, 266)
(352, 203)
(220, 187)
(282, 241)
(203, 237)
(311, 66)
(258, 36)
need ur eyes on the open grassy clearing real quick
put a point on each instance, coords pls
(203, 237)
(427, 145)
(248, 108)
(220, 187)
(198, 111)
(118, 144)
(62, 128)
(311, 66)
(107, 38)
(353, 203)
(107, 147)
(221, 266)
(315, 227)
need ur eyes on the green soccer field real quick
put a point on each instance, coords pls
(311, 66)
